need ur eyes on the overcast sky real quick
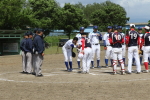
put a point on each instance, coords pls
(137, 10)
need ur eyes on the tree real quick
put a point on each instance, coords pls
(71, 19)
(14, 14)
(109, 14)
(46, 14)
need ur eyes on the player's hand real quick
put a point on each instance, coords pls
(42, 54)
(105, 48)
(98, 34)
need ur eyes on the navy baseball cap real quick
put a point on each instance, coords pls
(95, 27)
(30, 33)
(36, 29)
(40, 30)
(115, 28)
(81, 28)
(109, 27)
(25, 34)
(120, 27)
(139, 28)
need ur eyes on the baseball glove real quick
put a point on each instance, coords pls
(73, 54)
(141, 52)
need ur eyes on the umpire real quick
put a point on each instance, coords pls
(39, 48)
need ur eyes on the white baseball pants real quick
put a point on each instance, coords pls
(146, 53)
(38, 63)
(24, 61)
(86, 61)
(133, 52)
(96, 50)
(29, 62)
(67, 54)
(123, 51)
(117, 53)
(108, 53)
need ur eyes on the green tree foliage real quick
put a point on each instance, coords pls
(46, 12)
(14, 14)
(71, 19)
(109, 14)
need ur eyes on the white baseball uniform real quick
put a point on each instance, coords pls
(116, 39)
(94, 40)
(132, 39)
(108, 53)
(86, 48)
(79, 43)
(123, 46)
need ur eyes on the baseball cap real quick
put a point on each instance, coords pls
(25, 34)
(109, 27)
(30, 33)
(81, 28)
(120, 27)
(146, 27)
(132, 25)
(95, 27)
(35, 29)
(40, 30)
(139, 28)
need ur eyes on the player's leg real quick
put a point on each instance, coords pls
(121, 61)
(33, 64)
(98, 55)
(123, 53)
(114, 61)
(23, 61)
(89, 57)
(146, 54)
(93, 55)
(39, 61)
(136, 56)
(130, 56)
(69, 54)
(84, 61)
(107, 54)
(66, 58)
(78, 59)
(29, 62)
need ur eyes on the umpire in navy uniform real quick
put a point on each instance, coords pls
(22, 47)
(29, 47)
(39, 52)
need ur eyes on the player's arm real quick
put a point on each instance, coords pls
(104, 41)
(83, 45)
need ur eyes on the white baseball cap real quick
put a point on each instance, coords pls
(147, 27)
(131, 25)
(80, 56)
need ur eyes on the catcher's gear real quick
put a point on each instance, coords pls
(73, 54)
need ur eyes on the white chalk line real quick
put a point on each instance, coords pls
(10, 80)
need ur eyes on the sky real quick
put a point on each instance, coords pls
(137, 10)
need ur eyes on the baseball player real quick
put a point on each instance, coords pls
(95, 37)
(86, 51)
(39, 48)
(107, 45)
(67, 51)
(123, 45)
(29, 47)
(133, 41)
(78, 50)
(146, 49)
(22, 47)
(116, 40)
(141, 46)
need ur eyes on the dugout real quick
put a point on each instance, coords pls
(10, 41)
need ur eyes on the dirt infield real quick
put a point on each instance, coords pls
(58, 84)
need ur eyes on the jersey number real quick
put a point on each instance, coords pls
(118, 37)
(133, 36)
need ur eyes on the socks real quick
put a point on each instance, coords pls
(92, 63)
(98, 62)
(78, 63)
(70, 64)
(140, 60)
(66, 63)
(146, 65)
(106, 62)
(124, 60)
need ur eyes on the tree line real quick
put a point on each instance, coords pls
(47, 14)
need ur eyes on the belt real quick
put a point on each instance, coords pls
(96, 44)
